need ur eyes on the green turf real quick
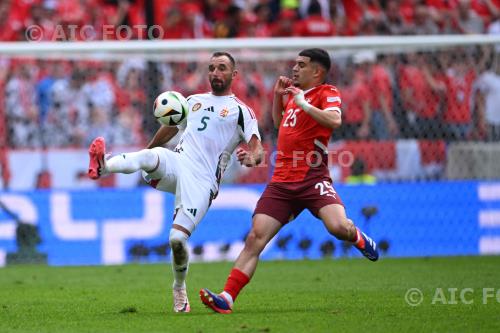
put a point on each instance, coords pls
(286, 296)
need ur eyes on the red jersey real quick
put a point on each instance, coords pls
(424, 102)
(314, 26)
(381, 79)
(354, 14)
(442, 4)
(353, 98)
(302, 141)
(407, 10)
(481, 8)
(458, 97)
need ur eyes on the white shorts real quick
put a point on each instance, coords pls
(192, 194)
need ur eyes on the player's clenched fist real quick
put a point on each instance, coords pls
(245, 158)
(281, 84)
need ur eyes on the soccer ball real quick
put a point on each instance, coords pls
(170, 108)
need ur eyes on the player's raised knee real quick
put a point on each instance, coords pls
(177, 240)
(150, 154)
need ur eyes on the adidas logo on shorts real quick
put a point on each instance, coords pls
(192, 211)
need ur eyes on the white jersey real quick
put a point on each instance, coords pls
(489, 84)
(215, 126)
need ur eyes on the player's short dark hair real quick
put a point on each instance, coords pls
(227, 54)
(319, 56)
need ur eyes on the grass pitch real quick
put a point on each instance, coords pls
(284, 296)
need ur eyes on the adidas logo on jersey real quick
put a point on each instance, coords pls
(192, 211)
(209, 109)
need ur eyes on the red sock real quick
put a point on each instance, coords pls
(235, 282)
(355, 237)
(358, 241)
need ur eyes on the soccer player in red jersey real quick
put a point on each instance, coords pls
(307, 110)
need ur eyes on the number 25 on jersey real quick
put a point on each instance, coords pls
(291, 118)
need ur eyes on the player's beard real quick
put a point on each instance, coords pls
(219, 86)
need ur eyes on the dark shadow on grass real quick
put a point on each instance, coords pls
(288, 310)
(238, 312)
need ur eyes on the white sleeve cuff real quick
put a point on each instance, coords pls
(334, 109)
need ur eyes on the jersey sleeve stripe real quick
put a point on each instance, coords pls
(250, 110)
(321, 146)
(334, 109)
(241, 120)
(252, 114)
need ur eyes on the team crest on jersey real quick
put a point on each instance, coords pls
(196, 107)
(224, 112)
(308, 100)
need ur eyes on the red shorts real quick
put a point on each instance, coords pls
(285, 201)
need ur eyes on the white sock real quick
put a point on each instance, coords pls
(180, 258)
(145, 159)
(180, 273)
(228, 297)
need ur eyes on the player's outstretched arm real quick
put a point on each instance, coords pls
(162, 136)
(279, 91)
(253, 156)
(330, 119)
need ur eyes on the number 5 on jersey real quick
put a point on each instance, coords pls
(291, 118)
(204, 122)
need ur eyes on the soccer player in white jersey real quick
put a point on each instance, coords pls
(216, 124)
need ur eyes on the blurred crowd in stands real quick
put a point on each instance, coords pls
(450, 94)
(248, 18)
